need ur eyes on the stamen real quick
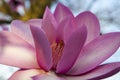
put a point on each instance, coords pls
(57, 49)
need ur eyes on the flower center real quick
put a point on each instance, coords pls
(57, 48)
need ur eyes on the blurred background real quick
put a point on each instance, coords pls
(107, 12)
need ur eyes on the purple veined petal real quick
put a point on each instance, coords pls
(65, 29)
(47, 77)
(44, 52)
(22, 30)
(95, 53)
(115, 77)
(100, 72)
(35, 22)
(61, 12)
(72, 49)
(14, 51)
(91, 22)
(49, 25)
(25, 74)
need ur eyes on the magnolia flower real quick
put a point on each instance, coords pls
(59, 47)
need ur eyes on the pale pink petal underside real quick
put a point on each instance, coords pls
(72, 49)
(91, 22)
(22, 30)
(25, 74)
(47, 77)
(96, 52)
(101, 72)
(14, 51)
(44, 52)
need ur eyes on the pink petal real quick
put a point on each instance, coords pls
(25, 74)
(49, 25)
(96, 52)
(22, 30)
(14, 51)
(44, 52)
(65, 29)
(47, 77)
(91, 22)
(72, 49)
(61, 12)
(98, 73)
(35, 22)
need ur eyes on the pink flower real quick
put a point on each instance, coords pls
(59, 47)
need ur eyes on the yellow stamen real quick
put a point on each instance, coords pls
(57, 49)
